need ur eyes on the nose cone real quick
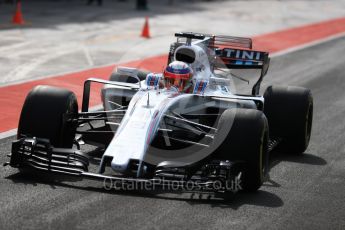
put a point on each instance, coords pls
(120, 165)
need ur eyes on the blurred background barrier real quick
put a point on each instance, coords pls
(142, 5)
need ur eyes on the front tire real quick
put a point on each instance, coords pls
(48, 112)
(246, 140)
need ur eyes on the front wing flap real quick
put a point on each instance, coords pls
(38, 154)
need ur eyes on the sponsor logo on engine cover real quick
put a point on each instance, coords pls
(242, 54)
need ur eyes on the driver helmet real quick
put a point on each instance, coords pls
(179, 75)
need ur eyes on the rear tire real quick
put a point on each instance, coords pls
(289, 111)
(48, 113)
(246, 141)
(124, 78)
(109, 90)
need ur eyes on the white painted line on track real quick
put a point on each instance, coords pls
(55, 75)
(8, 133)
(25, 68)
(88, 56)
(15, 46)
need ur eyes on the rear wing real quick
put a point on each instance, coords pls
(239, 58)
(228, 52)
(215, 41)
(237, 53)
(219, 41)
(234, 58)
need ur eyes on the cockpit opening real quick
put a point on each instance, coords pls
(185, 55)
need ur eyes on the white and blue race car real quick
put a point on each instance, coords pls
(186, 125)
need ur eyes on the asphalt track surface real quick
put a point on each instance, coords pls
(305, 192)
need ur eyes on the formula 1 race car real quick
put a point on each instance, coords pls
(187, 125)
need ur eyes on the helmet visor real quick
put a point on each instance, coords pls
(179, 81)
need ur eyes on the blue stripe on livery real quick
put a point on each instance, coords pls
(200, 86)
(237, 62)
(178, 71)
(152, 80)
(156, 81)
